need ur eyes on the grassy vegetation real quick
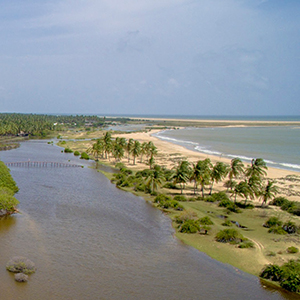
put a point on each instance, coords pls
(198, 219)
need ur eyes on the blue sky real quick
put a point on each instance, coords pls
(204, 57)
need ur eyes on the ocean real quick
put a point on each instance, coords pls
(279, 146)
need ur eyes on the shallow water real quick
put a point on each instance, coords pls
(277, 145)
(90, 240)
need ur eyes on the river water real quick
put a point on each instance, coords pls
(90, 240)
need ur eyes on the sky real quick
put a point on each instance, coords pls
(161, 57)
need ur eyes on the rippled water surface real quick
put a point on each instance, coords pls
(90, 240)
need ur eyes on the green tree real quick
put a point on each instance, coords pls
(129, 148)
(136, 150)
(218, 172)
(257, 168)
(107, 144)
(155, 178)
(268, 192)
(182, 174)
(204, 168)
(236, 169)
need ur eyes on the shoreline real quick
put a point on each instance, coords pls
(170, 153)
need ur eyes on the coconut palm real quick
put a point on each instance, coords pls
(268, 192)
(242, 189)
(204, 167)
(155, 178)
(96, 149)
(107, 144)
(143, 150)
(218, 172)
(129, 147)
(182, 174)
(236, 168)
(136, 150)
(258, 168)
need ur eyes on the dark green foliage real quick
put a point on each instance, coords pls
(206, 221)
(233, 208)
(171, 185)
(68, 150)
(185, 215)
(84, 155)
(76, 153)
(290, 227)
(8, 202)
(244, 206)
(180, 198)
(225, 203)
(273, 221)
(6, 179)
(276, 230)
(126, 171)
(272, 272)
(190, 226)
(246, 244)
(229, 236)
(279, 201)
(292, 283)
(145, 173)
(162, 197)
(170, 204)
(227, 223)
(292, 250)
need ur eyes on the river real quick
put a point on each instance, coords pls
(90, 240)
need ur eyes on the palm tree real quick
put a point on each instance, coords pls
(107, 144)
(118, 151)
(136, 150)
(96, 149)
(129, 148)
(218, 172)
(268, 192)
(204, 167)
(143, 150)
(255, 185)
(258, 168)
(242, 189)
(155, 178)
(182, 174)
(236, 169)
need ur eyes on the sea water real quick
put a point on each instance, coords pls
(279, 146)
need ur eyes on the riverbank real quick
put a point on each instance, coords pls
(268, 248)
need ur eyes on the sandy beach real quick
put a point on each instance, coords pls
(170, 154)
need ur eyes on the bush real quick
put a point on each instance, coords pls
(8, 202)
(185, 215)
(227, 223)
(190, 226)
(20, 264)
(272, 272)
(292, 283)
(171, 204)
(225, 203)
(76, 153)
(273, 221)
(292, 250)
(221, 196)
(290, 227)
(245, 206)
(180, 198)
(279, 201)
(229, 236)
(84, 155)
(161, 198)
(206, 221)
(68, 150)
(276, 230)
(126, 171)
(170, 185)
(233, 208)
(246, 244)
(6, 179)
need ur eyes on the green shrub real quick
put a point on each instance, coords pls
(289, 206)
(273, 221)
(170, 204)
(292, 283)
(245, 206)
(161, 198)
(126, 171)
(170, 185)
(221, 196)
(8, 202)
(227, 223)
(68, 150)
(279, 201)
(292, 250)
(180, 198)
(290, 227)
(186, 215)
(190, 226)
(272, 272)
(84, 155)
(276, 230)
(246, 244)
(76, 153)
(6, 179)
(206, 221)
(20, 264)
(229, 236)
(270, 253)
(233, 208)
(225, 203)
